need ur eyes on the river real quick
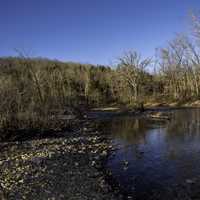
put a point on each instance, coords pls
(156, 159)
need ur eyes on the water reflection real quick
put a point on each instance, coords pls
(162, 156)
(131, 130)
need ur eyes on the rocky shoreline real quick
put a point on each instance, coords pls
(70, 167)
(64, 165)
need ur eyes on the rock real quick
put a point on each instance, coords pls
(190, 181)
(93, 163)
(76, 164)
(21, 181)
(125, 168)
(125, 163)
(104, 153)
(66, 117)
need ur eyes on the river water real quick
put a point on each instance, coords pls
(157, 159)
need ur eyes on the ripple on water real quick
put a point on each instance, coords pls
(163, 158)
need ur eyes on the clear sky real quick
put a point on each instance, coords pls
(90, 31)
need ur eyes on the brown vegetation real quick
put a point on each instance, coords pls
(34, 92)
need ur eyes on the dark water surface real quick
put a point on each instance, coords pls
(157, 159)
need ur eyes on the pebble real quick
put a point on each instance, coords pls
(43, 160)
(190, 181)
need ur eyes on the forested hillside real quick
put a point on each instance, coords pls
(33, 90)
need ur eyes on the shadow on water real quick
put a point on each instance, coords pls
(157, 159)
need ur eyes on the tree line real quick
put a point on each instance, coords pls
(31, 89)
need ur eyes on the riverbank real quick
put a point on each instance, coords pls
(69, 167)
(173, 104)
(64, 165)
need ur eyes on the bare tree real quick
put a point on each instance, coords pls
(132, 68)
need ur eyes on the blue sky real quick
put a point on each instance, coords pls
(90, 31)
